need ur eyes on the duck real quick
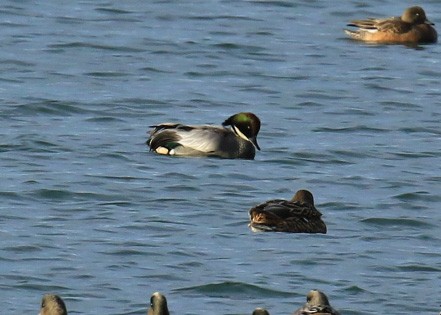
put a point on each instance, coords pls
(297, 215)
(412, 27)
(260, 311)
(158, 305)
(237, 142)
(316, 303)
(52, 304)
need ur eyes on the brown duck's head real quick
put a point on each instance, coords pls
(158, 305)
(316, 297)
(303, 196)
(52, 304)
(415, 15)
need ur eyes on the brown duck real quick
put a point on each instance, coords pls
(298, 215)
(412, 27)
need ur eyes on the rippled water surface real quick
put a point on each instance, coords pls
(87, 212)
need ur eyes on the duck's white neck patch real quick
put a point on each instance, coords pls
(239, 133)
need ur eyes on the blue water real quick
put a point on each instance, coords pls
(87, 212)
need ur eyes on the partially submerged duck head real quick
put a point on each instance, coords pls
(52, 304)
(158, 305)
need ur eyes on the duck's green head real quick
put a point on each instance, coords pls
(245, 125)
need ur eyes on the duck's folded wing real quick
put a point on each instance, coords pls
(394, 26)
(272, 205)
(163, 135)
(286, 209)
(368, 24)
(372, 24)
